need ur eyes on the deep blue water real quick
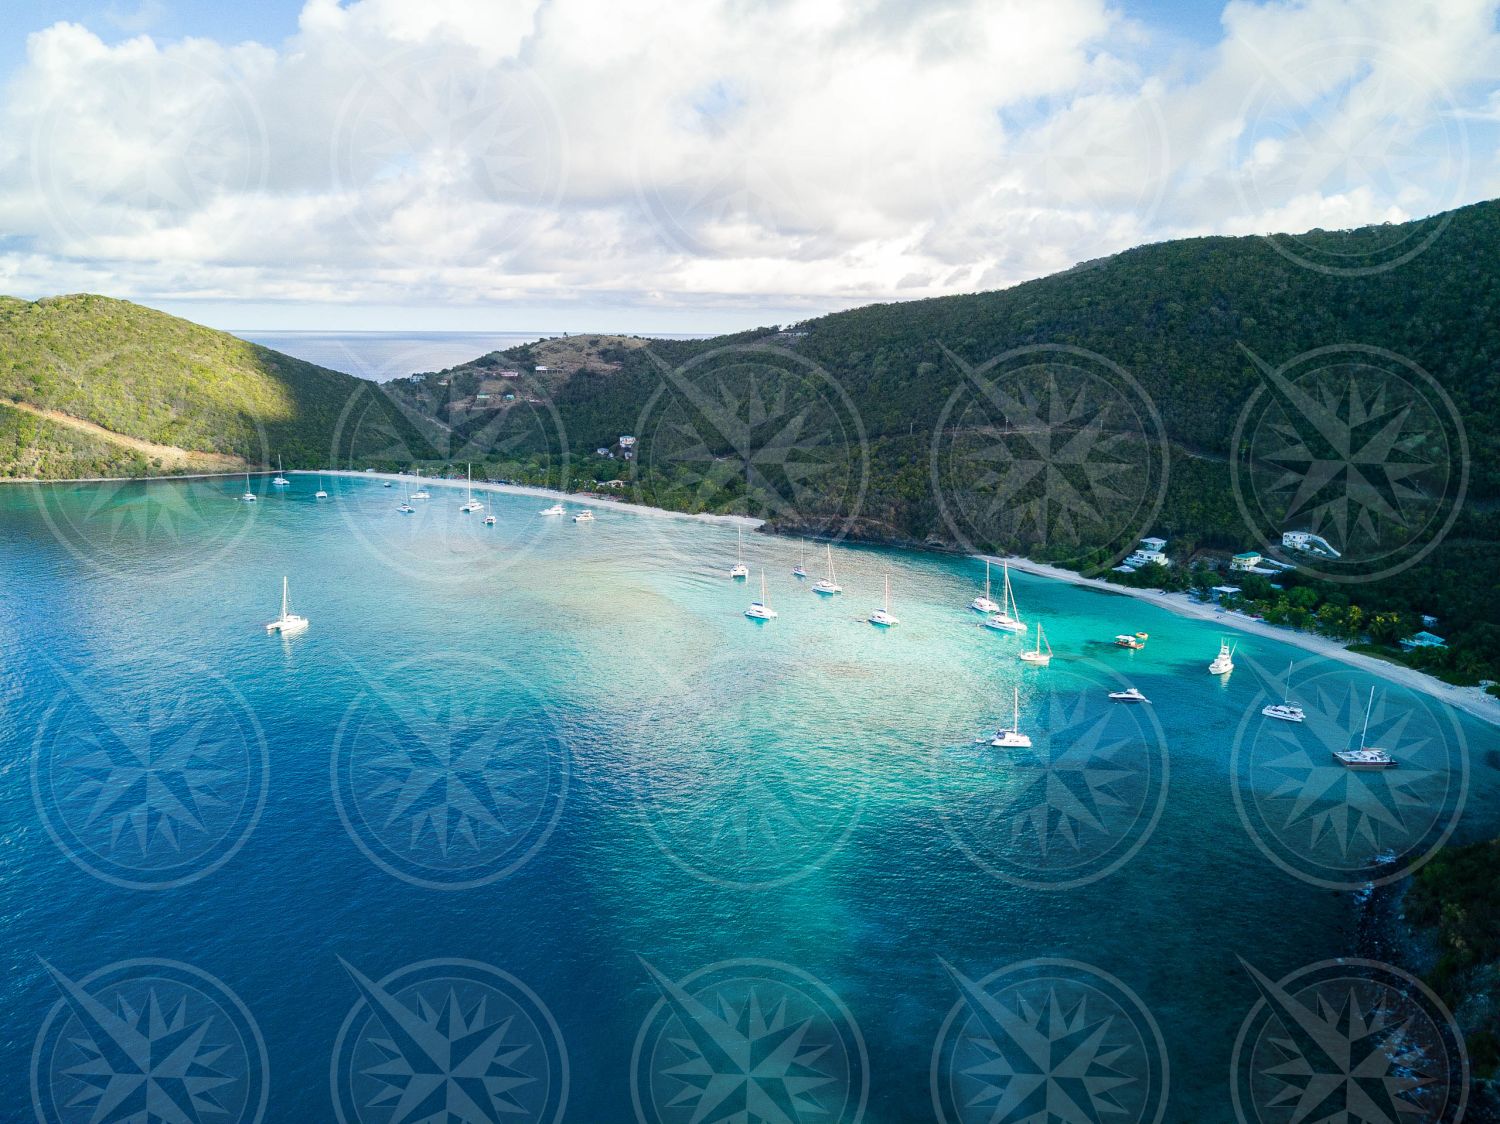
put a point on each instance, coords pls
(559, 754)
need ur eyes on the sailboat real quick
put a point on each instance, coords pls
(289, 623)
(799, 571)
(740, 571)
(1007, 618)
(828, 584)
(1366, 756)
(984, 604)
(471, 504)
(761, 610)
(1224, 662)
(406, 507)
(882, 616)
(280, 481)
(1284, 709)
(1038, 656)
(320, 494)
(1012, 738)
(249, 496)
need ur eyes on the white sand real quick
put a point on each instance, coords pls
(1471, 700)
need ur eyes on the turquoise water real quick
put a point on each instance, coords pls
(559, 751)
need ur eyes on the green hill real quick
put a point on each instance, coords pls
(97, 387)
(1190, 322)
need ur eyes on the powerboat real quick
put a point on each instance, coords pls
(1125, 640)
(1129, 694)
(1284, 710)
(1224, 662)
(1366, 757)
(882, 616)
(555, 509)
(828, 584)
(761, 610)
(984, 604)
(1012, 738)
(584, 516)
(289, 623)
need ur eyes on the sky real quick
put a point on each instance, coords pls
(649, 165)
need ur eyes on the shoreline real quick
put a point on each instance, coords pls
(1474, 701)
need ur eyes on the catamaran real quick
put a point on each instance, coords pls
(249, 496)
(984, 604)
(289, 623)
(1038, 656)
(1129, 694)
(1284, 709)
(1366, 756)
(421, 494)
(406, 507)
(882, 616)
(799, 571)
(761, 610)
(1012, 738)
(1008, 616)
(555, 509)
(489, 520)
(740, 571)
(472, 504)
(280, 481)
(320, 494)
(1224, 662)
(828, 584)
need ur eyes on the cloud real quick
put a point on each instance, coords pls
(464, 151)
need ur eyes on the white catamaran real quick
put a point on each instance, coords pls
(249, 496)
(280, 481)
(1037, 656)
(289, 623)
(1012, 738)
(799, 571)
(1007, 618)
(984, 604)
(740, 572)
(1284, 709)
(828, 583)
(761, 610)
(471, 504)
(882, 616)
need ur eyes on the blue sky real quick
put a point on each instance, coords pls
(617, 165)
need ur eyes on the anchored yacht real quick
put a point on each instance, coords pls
(882, 616)
(984, 604)
(1037, 656)
(761, 610)
(289, 623)
(1129, 694)
(280, 481)
(1367, 756)
(1012, 738)
(1284, 710)
(740, 572)
(828, 584)
(1008, 617)
(584, 516)
(249, 496)
(555, 509)
(1224, 662)
(471, 504)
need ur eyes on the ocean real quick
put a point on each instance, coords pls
(533, 824)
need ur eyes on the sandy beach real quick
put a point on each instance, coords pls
(1471, 700)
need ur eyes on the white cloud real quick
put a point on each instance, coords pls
(460, 151)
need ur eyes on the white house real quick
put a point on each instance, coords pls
(627, 441)
(510, 374)
(1153, 545)
(1308, 542)
(1247, 560)
(542, 370)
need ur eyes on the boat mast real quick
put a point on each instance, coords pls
(283, 596)
(1364, 736)
(986, 579)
